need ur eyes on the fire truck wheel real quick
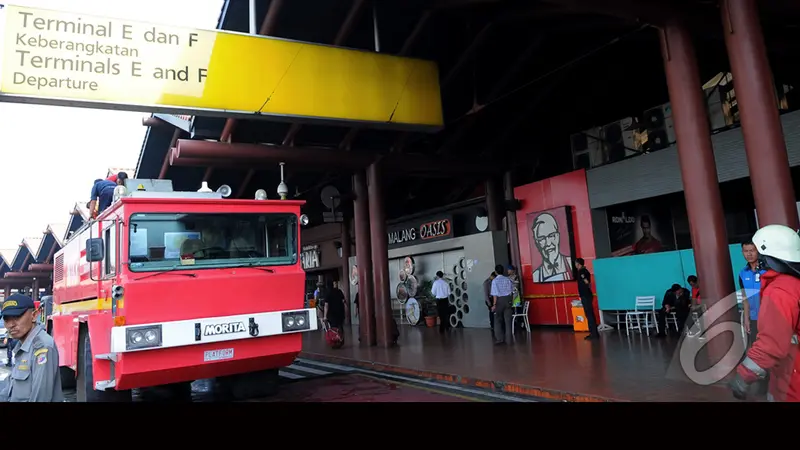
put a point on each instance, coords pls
(67, 377)
(85, 391)
(175, 392)
(246, 386)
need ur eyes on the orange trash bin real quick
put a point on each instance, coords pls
(579, 317)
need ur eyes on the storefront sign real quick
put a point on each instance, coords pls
(55, 57)
(639, 228)
(310, 257)
(425, 230)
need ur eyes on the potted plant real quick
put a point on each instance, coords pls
(429, 303)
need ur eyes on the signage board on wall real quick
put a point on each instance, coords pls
(420, 231)
(74, 59)
(640, 228)
(310, 257)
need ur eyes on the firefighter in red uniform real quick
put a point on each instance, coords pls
(775, 350)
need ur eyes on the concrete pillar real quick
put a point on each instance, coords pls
(366, 313)
(758, 110)
(494, 204)
(344, 282)
(380, 256)
(511, 220)
(698, 169)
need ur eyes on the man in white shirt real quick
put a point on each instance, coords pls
(441, 292)
(502, 291)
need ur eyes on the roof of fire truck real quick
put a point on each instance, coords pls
(156, 190)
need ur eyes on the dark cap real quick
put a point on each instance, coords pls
(16, 305)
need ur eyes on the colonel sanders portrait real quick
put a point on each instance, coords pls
(547, 239)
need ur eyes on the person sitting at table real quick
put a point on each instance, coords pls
(676, 300)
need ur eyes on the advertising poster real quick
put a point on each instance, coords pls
(640, 228)
(551, 245)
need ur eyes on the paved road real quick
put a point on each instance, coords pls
(314, 381)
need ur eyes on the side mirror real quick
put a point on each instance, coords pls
(94, 249)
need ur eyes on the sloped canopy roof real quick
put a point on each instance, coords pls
(78, 216)
(22, 258)
(51, 243)
(4, 261)
(33, 244)
(58, 230)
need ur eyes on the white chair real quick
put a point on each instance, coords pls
(645, 307)
(672, 318)
(524, 315)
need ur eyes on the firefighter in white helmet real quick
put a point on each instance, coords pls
(775, 350)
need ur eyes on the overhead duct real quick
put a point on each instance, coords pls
(195, 153)
(28, 274)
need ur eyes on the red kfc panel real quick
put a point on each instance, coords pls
(543, 311)
(555, 227)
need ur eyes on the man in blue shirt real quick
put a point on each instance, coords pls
(103, 193)
(750, 284)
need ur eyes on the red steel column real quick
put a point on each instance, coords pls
(494, 204)
(344, 282)
(380, 256)
(698, 169)
(366, 304)
(758, 109)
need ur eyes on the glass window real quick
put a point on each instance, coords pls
(173, 241)
(110, 238)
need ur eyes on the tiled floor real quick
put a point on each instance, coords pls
(634, 368)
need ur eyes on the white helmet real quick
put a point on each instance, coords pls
(779, 242)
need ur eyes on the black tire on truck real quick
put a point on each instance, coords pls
(67, 377)
(175, 392)
(85, 391)
(245, 386)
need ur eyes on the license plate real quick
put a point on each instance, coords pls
(218, 355)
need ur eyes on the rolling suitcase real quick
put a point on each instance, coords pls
(333, 336)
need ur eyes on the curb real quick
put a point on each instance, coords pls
(493, 386)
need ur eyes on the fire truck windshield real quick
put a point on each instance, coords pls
(162, 241)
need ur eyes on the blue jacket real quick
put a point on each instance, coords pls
(103, 192)
(750, 282)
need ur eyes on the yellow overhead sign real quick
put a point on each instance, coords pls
(54, 57)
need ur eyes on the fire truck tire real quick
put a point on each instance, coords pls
(67, 377)
(85, 391)
(175, 392)
(246, 386)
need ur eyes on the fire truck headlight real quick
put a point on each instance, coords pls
(143, 337)
(295, 321)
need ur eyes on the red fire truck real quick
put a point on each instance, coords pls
(164, 288)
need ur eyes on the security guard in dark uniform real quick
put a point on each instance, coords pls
(35, 376)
